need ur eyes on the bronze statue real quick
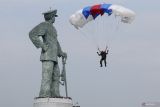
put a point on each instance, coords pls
(44, 36)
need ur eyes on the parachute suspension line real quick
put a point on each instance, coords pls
(99, 29)
(106, 27)
(117, 23)
(87, 37)
(105, 23)
(102, 30)
(83, 33)
(111, 30)
(106, 47)
(97, 34)
(94, 33)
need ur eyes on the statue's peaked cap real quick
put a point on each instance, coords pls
(51, 12)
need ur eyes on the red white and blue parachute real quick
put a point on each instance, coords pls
(89, 13)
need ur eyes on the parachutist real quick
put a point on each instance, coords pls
(103, 55)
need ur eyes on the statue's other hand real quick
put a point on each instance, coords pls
(45, 47)
(64, 54)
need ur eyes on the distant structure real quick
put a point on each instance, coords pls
(150, 104)
(76, 105)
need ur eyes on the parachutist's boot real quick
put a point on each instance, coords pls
(101, 65)
(105, 64)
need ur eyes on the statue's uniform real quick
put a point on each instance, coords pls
(49, 58)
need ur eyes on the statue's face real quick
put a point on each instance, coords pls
(53, 19)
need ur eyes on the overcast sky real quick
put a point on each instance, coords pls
(133, 64)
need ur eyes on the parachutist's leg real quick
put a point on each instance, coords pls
(101, 62)
(105, 62)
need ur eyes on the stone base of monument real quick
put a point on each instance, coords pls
(53, 102)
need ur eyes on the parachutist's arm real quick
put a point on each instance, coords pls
(98, 54)
(106, 48)
(107, 51)
(99, 50)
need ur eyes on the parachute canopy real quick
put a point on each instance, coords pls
(89, 13)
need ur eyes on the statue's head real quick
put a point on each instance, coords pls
(50, 15)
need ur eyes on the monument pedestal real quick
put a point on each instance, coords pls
(52, 102)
